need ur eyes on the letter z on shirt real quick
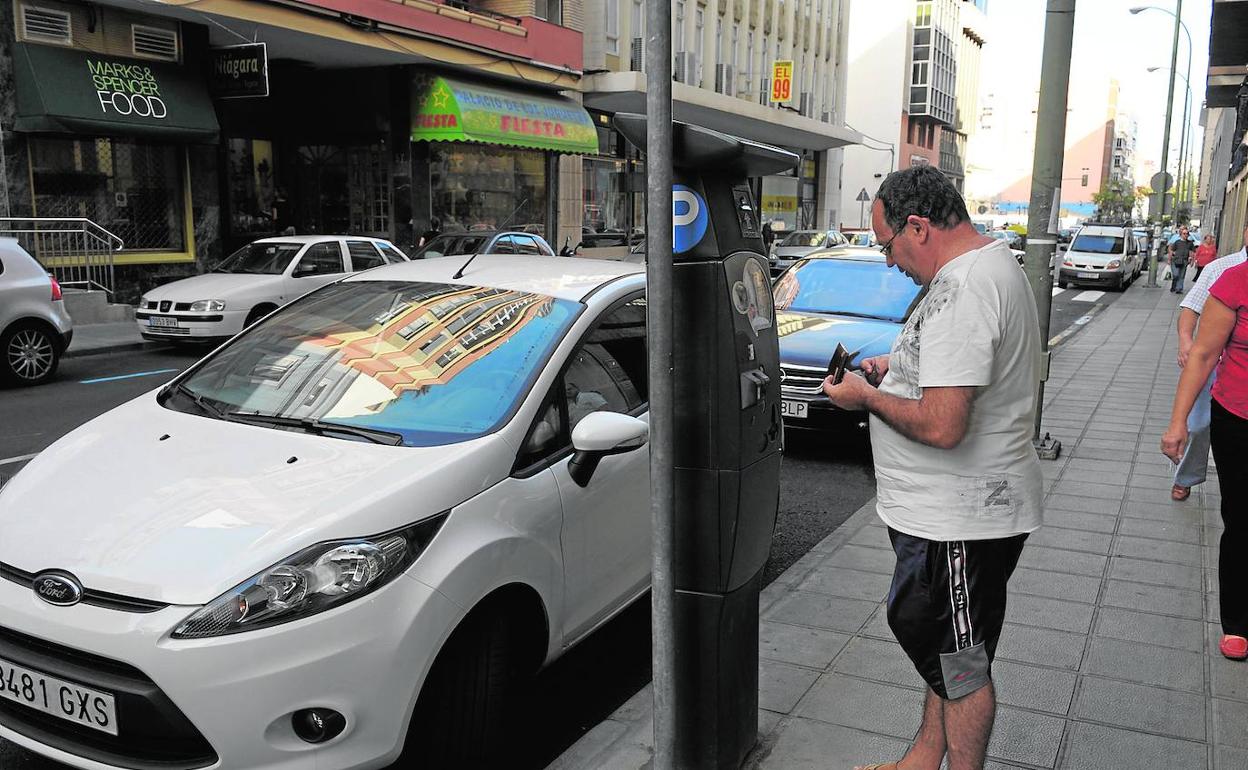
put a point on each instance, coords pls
(976, 327)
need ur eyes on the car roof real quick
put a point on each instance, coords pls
(849, 253)
(303, 239)
(1104, 229)
(562, 277)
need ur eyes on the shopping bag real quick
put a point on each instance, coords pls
(1167, 276)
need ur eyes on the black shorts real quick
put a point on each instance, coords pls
(947, 604)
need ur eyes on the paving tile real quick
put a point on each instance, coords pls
(1157, 487)
(1071, 539)
(1140, 707)
(1025, 736)
(804, 646)
(1107, 468)
(1042, 646)
(1062, 560)
(781, 686)
(1229, 678)
(873, 537)
(1230, 723)
(848, 583)
(1055, 585)
(806, 744)
(1033, 687)
(1185, 576)
(1146, 628)
(1230, 758)
(863, 705)
(1162, 530)
(1175, 669)
(1093, 522)
(880, 660)
(863, 558)
(1160, 600)
(1049, 613)
(821, 611)
(1158, 550)
(1161, 512)
(1089, 489)
(1096, 747)
(1089, 504)
(877, 626)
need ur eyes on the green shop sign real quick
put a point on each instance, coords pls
(446, 110)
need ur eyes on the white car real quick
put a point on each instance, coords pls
(35, 329)
(298, 552)
(253, 282)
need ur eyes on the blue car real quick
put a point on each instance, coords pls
(848, 295)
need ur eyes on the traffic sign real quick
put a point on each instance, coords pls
(862, 196)
(782, 81)
(1161, 181)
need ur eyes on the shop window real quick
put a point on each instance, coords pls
(258, 208)
(134, 190)
(369, 190)
(483, 187)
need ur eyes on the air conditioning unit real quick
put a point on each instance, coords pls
(685, 69)
(724, 79)
(46, 25)
(637, 55)
(825, 116)
(806, 104)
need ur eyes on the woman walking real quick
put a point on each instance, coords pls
(1222, 341)
(1206, 252)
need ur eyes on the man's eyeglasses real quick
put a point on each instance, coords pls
(887, 248)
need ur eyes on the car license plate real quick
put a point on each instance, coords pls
(165, 321)
(69, 701)
(793, 409)
(1087, 275)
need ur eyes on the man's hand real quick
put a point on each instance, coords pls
(851, 395)
(874, 368)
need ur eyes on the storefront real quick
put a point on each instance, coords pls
(614, 189)
(490, 155)
(788, 200)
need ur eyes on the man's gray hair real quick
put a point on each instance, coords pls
(921, 191)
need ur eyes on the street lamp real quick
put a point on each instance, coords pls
(1184, 149)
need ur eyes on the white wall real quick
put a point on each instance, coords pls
(879, 42)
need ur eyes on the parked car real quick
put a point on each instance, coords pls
(799, 243)
(484, 242)
(35, 329)
(253, 282)
(848, 295)
(1101, 255)
(1013, 240)
(859, 236)
(394, 485)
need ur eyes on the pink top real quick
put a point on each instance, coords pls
(1231, 386)
(1205, 253)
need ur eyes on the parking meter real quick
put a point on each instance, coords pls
(728, 430)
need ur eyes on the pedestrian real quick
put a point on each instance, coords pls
(957, 480)
(1180, 251)
(282, 214)
(435, 229)
(769, 236)
(1194, 465)
(1205, 253)
(1222, 342)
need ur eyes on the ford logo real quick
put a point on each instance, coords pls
(59, 588)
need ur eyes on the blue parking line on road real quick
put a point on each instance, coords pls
(126, 376)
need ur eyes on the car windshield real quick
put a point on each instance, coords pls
(1097, 244)
(451, 245)
(432, 363)
(260, 258)
(805, 238)
(846, 287)
(860, 239)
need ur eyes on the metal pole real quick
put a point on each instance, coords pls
(1187, 106)
(1046, 182)
(1165, 141)
(4, 174)
(659, 313)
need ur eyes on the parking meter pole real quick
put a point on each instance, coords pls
(725, 370)
(1046, 185)
(659, 323)
(1165, 139)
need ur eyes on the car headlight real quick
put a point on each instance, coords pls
(314, 580)
(208, 305)
(1114, 264)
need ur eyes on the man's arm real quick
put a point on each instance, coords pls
(938, 418)
(1187, 333)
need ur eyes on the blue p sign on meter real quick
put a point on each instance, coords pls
(689, 218)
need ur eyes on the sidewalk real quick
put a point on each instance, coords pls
(93, 339)
(1109, 655)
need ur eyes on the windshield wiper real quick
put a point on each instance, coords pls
(841, 312)
(313, 425)
(200, 401)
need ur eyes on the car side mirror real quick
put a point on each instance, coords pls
(600, 434)
(302, 271)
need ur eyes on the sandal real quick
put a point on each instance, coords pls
(1180, 493)
(1234, 647)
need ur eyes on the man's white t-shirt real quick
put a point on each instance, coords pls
(977, 326)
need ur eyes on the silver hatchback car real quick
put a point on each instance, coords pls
(35, 329)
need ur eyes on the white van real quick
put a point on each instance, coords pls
(1101, 255)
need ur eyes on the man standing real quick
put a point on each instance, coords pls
(1195, 463)
(1181, 250)
(958, 481)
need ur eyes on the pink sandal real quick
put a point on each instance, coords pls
(1234, 647)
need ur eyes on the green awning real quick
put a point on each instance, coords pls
(446, 110)
(68, 91)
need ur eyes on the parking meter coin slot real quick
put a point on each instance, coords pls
(747, 215)
(753, 387)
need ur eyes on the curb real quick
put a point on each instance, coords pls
(114, 348)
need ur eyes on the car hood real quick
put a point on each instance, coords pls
(1087, 258)
(809, 339)
(223, 286)
(184, 519)
(794, 252)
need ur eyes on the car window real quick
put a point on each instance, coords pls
(390, 253)
(805, 238)
(504, 245)
(525, 244)
(543, 247)
(867, 289)
(451, 245)
(364, 255)
(320, 259)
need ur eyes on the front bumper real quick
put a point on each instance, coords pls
(237, 693)
(190, 326)
(1099, 277)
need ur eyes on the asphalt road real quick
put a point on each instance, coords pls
(825, 478)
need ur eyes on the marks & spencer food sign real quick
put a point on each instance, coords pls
(127, 89)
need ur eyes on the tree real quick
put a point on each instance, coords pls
(1117, 198)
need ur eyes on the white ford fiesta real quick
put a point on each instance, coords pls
(343, 538)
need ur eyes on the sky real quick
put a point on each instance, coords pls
(1109, 42)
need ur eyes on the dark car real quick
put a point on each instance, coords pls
(847, 295)
(484, 242)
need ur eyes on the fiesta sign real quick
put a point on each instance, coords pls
(532, 127)
(127, 89)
